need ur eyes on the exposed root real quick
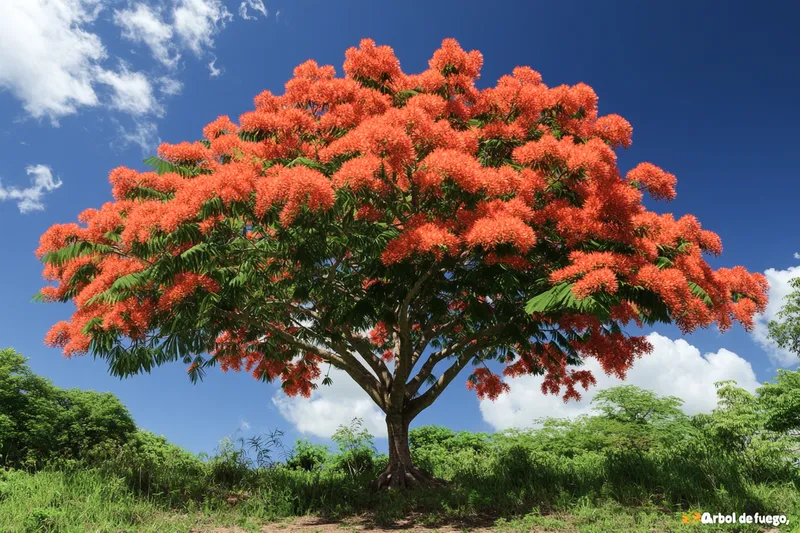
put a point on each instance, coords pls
(399, 475)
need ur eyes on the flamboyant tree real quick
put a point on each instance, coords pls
(398, 227)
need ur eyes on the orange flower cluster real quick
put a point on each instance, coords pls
(130, 316)
(660, 184)
(379, 334)
(183, 153)
(518, 174)
(183, 286)
(297, 376)
(487, 384)
(294, 188)
(421, 237)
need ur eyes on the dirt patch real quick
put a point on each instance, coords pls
(313, 524)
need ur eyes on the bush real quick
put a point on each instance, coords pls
(41, 423)
(356, 449)
(307, 456)
(152, 466)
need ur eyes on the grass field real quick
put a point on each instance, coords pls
(87, 500)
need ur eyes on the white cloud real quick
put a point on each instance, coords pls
(144, 25)
(53, 63)
(198, 21)
(796, 255)
(779, 288)
(332, 406)
(170, 86)
(257, 5)
(30, 198)
(144, 134)
(132, 92)
(214, 71)
(244, 425)
(675, 368)
(47, 58)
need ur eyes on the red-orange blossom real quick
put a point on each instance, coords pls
(391, 218)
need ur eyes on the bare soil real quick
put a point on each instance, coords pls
(312, 524)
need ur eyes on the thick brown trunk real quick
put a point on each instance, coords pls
(399, 451)
(401, 472)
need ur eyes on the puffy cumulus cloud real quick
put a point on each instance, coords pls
(675, 368)
(189, 24)
(143, 24)
(54, 64)
(256, 5)
(197, 22)
(779, 288)
(131, 92)
(30, 198)
(48, 58)
(331, 406)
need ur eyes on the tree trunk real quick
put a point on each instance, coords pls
(401, 472)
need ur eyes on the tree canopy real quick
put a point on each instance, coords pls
(40, 422)
(384, 223)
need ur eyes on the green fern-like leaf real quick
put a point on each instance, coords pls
(161, 166)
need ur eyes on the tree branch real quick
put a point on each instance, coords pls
(428, 335)
(374, 362)
(418, 404)
(403, 324)
(444, 353)
(342, 359)
(403, 348)
(369, 383)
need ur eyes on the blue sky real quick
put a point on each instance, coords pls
(88, 85)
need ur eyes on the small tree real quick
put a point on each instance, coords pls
(638, 418)
(356, 448)
(398, 227)
(781, 401)
(785, 329)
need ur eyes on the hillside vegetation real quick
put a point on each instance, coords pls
(75, 461)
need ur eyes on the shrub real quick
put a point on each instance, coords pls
(307, 456)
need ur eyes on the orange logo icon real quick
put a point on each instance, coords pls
(693, 518)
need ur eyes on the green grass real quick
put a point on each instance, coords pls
(87, 500)
(79, 501)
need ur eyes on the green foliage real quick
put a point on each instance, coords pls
(85, 500)
(431, 445)
(636, 450)
(356, 449)
(638, 418)
(785, 329)
(742, 429)
(629, 404)
(307, 456)
(161, 166)
(40, 422)
(781, 400)
(152, 466)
